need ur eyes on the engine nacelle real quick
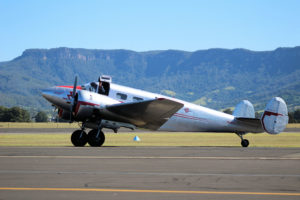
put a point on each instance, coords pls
(64, 114)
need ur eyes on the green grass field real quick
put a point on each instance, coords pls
(157, 139)
(147, 139)
(293, 125)
(37, 125)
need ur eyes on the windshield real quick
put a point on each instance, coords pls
(90, 87)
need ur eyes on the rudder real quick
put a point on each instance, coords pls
(275, 116)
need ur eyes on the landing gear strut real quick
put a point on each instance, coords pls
(245, 142)
(79, 138)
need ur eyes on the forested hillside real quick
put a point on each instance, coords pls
(216, 78)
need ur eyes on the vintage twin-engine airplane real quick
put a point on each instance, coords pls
(103, 104)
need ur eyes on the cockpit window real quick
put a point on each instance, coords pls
(93, 87)
(121, 96)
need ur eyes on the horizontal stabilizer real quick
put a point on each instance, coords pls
(249, 120)
(253, 124)
(150, 114)
(275, 117)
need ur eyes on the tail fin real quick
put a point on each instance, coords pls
(244, 109)
(275, 117)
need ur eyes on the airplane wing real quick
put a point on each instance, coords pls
(150, 114)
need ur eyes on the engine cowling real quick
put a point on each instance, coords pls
(64, 114)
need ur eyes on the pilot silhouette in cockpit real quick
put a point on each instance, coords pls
(93, 87)
(101, 89)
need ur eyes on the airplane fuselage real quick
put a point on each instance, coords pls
(190, 118)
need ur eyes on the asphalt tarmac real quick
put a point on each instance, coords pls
(149, 173)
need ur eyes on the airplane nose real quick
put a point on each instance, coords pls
(49, 94)
(56, 96)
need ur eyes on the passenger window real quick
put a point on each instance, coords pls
(137, 99)
(121, 96)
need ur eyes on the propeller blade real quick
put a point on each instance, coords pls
(73, 100)
(74, 88)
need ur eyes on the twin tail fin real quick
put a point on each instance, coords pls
(275, 116)
(273, 120)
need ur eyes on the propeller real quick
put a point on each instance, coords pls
(73, 99)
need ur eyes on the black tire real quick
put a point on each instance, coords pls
(93, 140)
(245, 143)
(79, 138)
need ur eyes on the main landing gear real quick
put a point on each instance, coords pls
(95, 137)
(79, 138)
(244, 142)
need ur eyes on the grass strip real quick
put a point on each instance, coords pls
(156, 139)
(37, 125)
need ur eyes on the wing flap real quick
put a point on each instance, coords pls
(150, 114)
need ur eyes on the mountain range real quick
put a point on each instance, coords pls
(215, 78)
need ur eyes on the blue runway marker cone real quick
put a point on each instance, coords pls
(136, 139)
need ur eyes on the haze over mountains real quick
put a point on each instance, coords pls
(216, 78)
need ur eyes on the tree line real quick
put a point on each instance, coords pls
(294, 117)
(17, 114)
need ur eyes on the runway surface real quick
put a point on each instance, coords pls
(149, 173)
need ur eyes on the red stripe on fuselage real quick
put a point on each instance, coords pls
(71, 87)
(84, 103)
(189, 117)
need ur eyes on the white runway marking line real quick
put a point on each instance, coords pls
(151, 191)
(157, 157)
(145, 173)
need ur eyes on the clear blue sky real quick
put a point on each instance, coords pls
(143, 25)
